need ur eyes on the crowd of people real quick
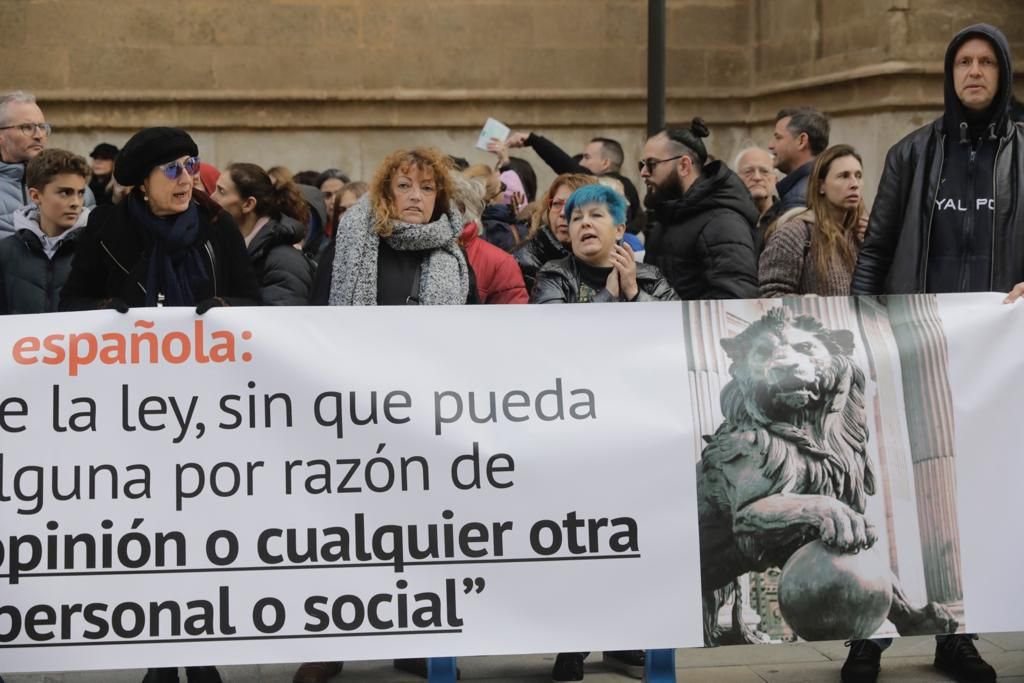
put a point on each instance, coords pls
(149, 224)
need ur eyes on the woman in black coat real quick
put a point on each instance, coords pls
(272, 219)
(162, 245)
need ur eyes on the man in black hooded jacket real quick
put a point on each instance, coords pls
(702, 238)
(948, 218)
(949, 213)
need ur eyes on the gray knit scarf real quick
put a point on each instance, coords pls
(444, 278)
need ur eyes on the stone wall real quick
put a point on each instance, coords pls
(317, 83)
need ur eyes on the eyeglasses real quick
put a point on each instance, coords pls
(558, 204)
(31, 128)
(173, 169)
(651, 163)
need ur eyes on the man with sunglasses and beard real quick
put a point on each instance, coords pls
(702, 239)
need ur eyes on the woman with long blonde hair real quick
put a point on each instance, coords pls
(814, 250)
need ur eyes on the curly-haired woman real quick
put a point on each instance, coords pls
(399, 243)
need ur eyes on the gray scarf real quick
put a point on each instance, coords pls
(444, 277)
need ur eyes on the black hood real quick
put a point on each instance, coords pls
(1017, 110)
(717, 188)
(998, 112)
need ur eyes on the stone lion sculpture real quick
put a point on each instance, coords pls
(788, 465)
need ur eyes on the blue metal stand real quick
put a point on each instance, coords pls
(660, 666)
(441, 670)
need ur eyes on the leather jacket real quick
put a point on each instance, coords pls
(894, 258)
(558, 282)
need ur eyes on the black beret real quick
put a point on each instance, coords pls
(104, 150)
(149, 148)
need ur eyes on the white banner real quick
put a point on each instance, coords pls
(272, 485)
(268, 485)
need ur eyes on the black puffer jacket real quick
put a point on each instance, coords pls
(30, 282)
(285, 274)
(895, 255)
(558, 282)
(112, 258)
(543, 247)
(704, 242)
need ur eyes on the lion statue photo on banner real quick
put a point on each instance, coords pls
(784, 482)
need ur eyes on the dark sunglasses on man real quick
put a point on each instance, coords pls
(650, 163)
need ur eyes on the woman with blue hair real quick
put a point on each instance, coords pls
(600, 268)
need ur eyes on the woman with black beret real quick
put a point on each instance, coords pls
(162, 245)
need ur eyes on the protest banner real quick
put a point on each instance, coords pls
(272, 485)
(874, 425)
(300, 484)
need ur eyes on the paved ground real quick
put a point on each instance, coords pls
(908, 661)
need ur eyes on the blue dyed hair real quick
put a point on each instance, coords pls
(598, 194)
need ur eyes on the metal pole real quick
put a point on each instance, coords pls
(655, 66)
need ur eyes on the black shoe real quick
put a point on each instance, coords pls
(202, 674)
(629, 662)
(958, 657)
(863, 663)
(166, 675)
(568, 666)
(417, 666)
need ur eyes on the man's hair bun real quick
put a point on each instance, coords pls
(699, 128)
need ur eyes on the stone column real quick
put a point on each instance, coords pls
(890, 439)
(929, 408)
(704, 322)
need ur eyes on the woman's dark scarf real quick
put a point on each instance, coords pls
(176, 263)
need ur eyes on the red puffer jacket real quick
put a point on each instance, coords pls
(498, 278)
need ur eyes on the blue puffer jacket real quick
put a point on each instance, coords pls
(12, 194)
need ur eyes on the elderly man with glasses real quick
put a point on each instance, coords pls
(23, 135)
